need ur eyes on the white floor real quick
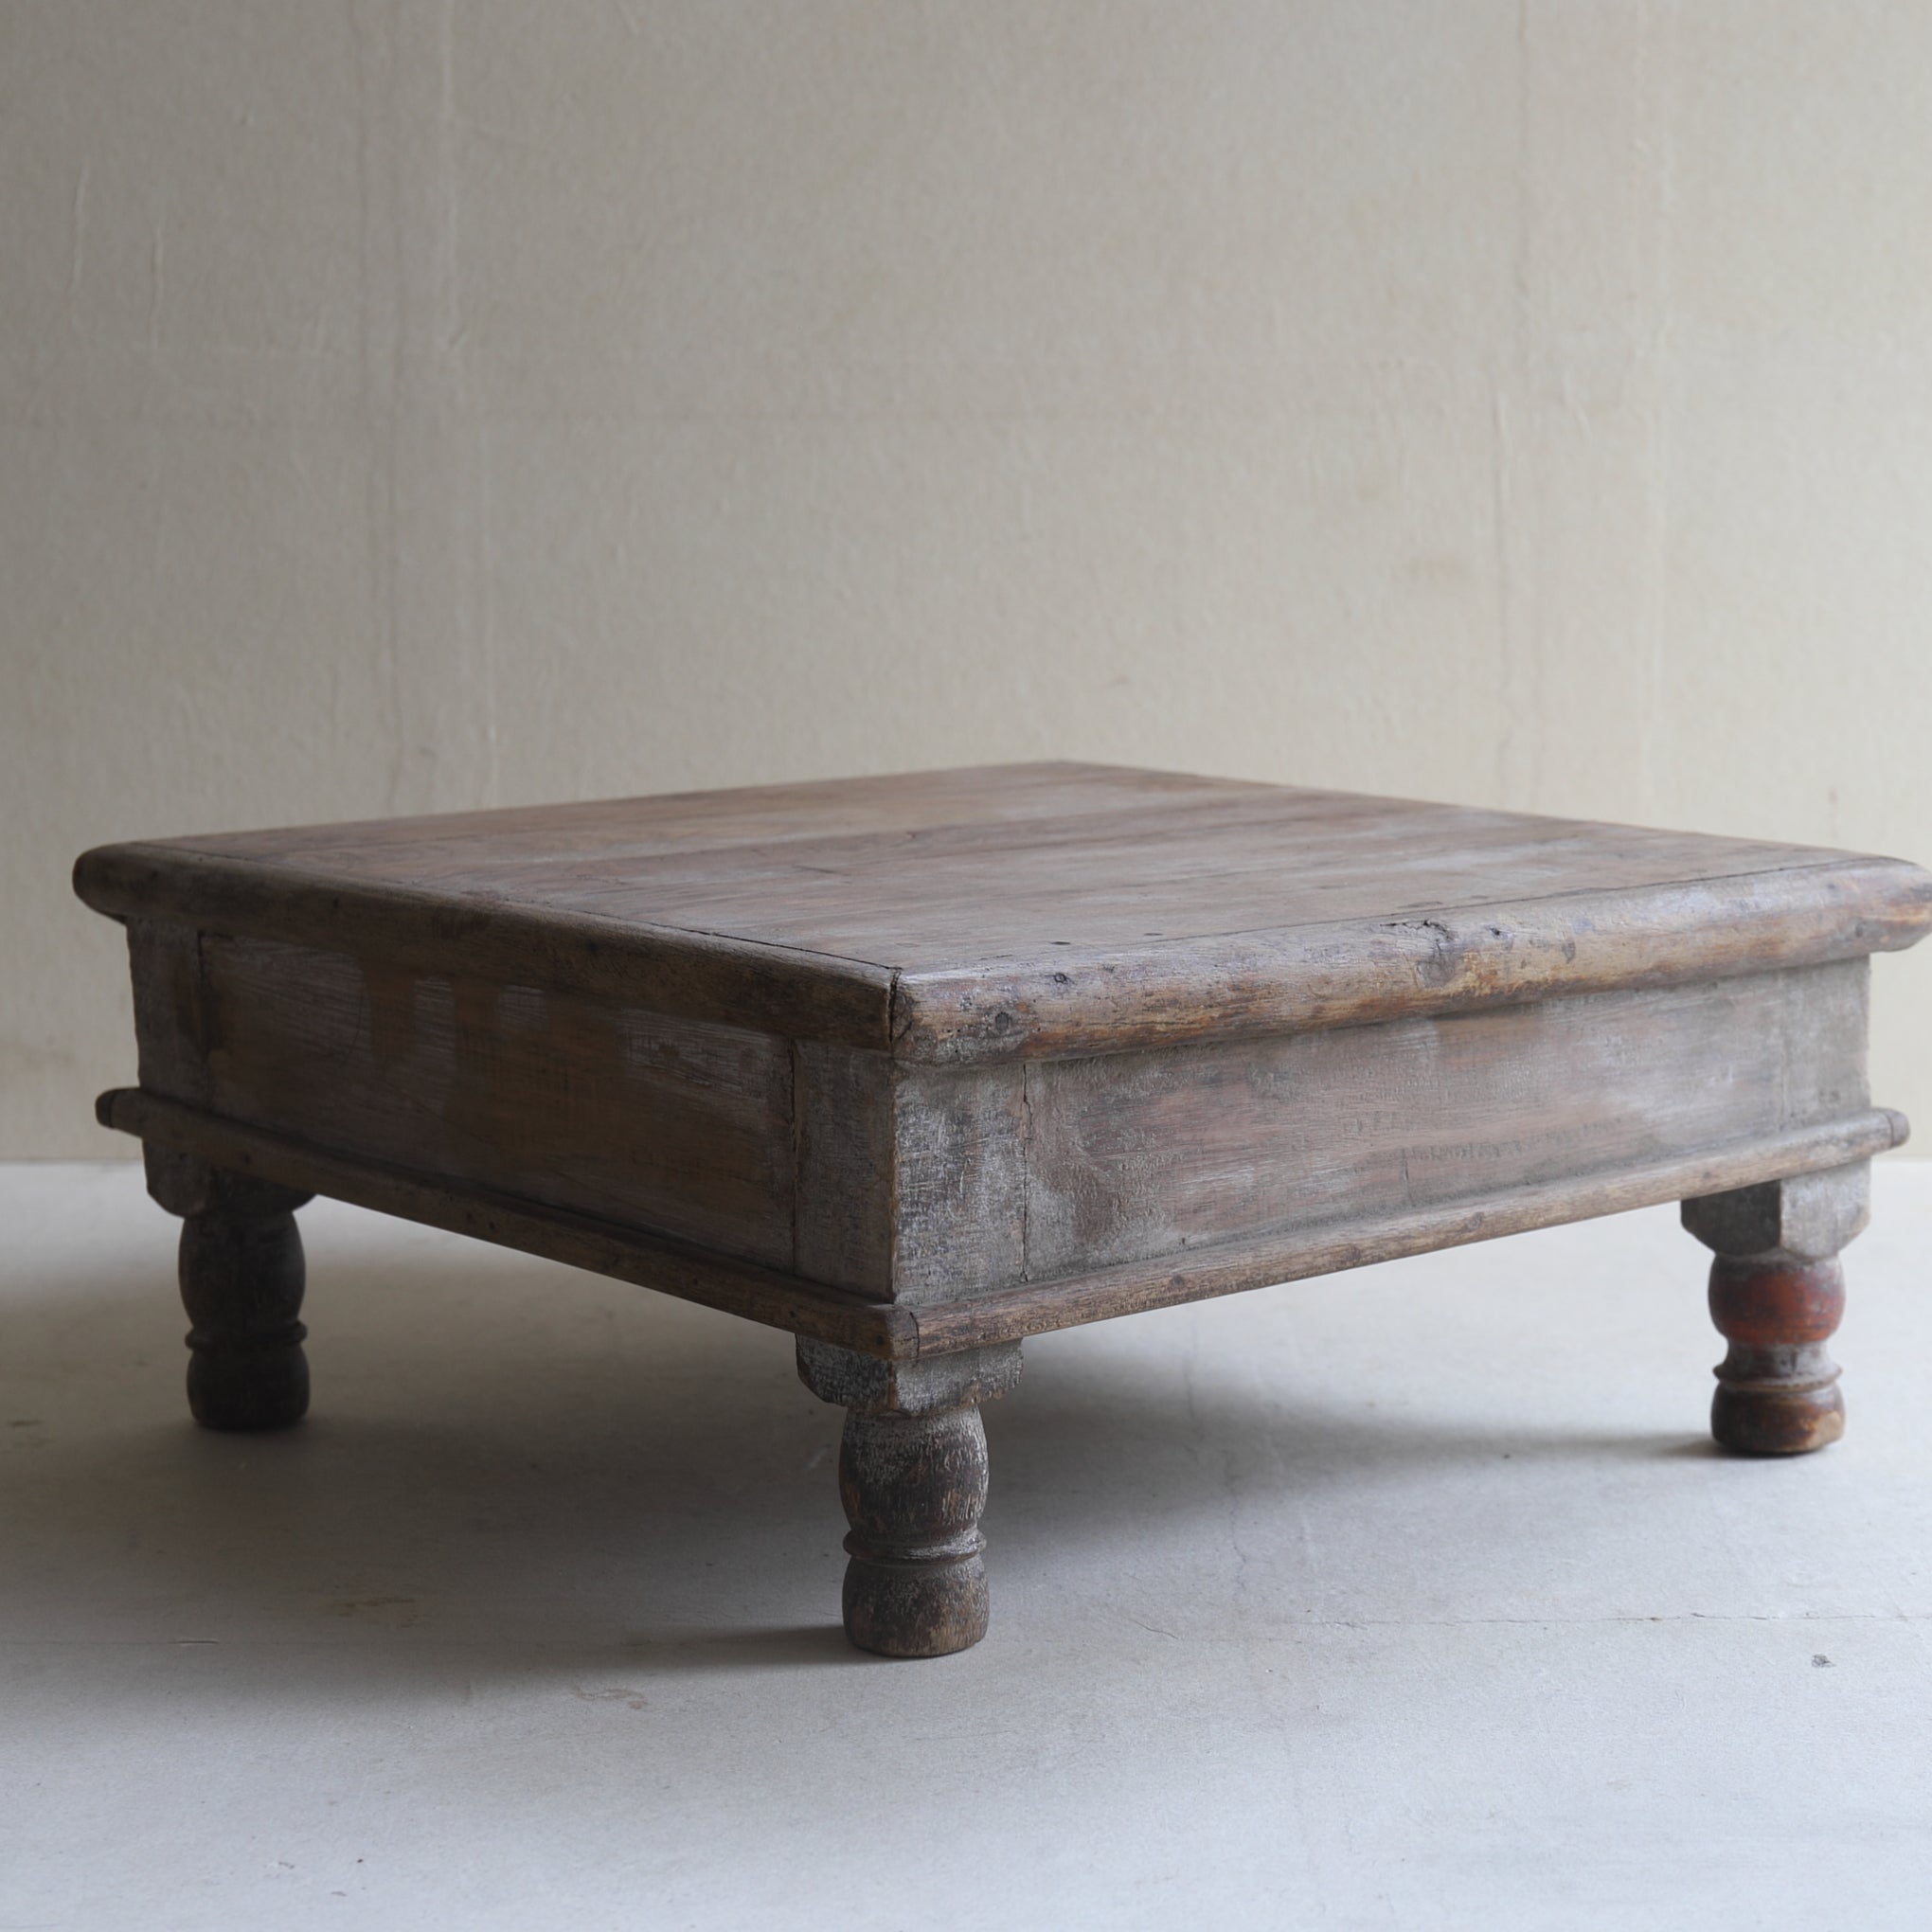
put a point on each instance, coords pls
(1413, 1598)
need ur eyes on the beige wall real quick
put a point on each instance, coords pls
(410, 406)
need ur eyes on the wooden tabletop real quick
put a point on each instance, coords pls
(1038, 910)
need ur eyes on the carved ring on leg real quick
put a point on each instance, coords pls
(1776, 1295)
(912, 1475)
(1777, 1387)
(241, 1279)
(913, 1489)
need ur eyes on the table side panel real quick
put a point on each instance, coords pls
(170, 1034)
(677, 1125)
(845, 1166)
(911, 1180)
(1136, 1155)
(924, 1185)
(960, 1145)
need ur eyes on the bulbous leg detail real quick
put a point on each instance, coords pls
(913, 1488)
(1777, 1387)
(1776, 1295)
(912, 1475)
(241, 1279)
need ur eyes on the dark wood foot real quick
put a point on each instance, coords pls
(242, 1280)
(1776, 1295)
(912, 1475)
(913, 1488)
(1777, 1389)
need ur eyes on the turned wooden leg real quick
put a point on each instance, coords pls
(912, 1475)
(1778, 1388)
(242, 1285)
(1777, 1294)
(913, 1488)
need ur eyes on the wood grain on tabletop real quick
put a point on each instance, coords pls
(1034, 910)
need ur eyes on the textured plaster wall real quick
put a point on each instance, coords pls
(408, 405)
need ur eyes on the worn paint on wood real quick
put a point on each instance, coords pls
(1776, 1296)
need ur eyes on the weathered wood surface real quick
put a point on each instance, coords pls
(691, 975)
(1443, 959)
(1130, 1156)
(1776, 1296)
(680, 1126)
(909, 1332)
(1236, 1267)
(584, 1241)
(913, 1488)
(911, 1180)
(914, 1067)
(912, 1475)
(1030, 911)
(918, 1184)
(919, 1388)
(171, 1036)
(922, 1185)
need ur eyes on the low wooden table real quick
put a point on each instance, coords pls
(915, 1068)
